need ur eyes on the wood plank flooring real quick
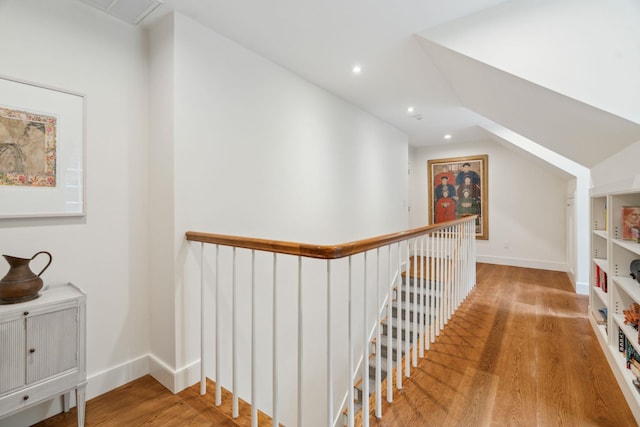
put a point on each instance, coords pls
(519, 352)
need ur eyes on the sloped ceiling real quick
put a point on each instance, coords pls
(588, 50)
(570, 85)
(568, 127)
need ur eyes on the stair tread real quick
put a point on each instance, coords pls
(428, 309)
(395, 302)
(372, 386)
(394, 344)
(383, 363)
(421, 290)
(394, 325)
(407, 327)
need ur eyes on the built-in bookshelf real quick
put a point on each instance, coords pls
(613, 291)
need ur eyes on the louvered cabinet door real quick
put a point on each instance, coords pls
(52, 344)
(12, 354)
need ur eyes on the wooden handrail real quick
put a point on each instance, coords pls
(318, 251)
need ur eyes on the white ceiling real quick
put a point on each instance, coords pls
(131, 11)
(322, 40)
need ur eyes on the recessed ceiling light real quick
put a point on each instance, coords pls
(447, 136)
(410, 110)
(356, 69)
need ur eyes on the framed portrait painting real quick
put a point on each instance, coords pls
(458, 187)
(42, 150)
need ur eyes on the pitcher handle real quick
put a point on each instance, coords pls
(48, 264)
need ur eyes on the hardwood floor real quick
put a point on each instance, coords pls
(519, 352)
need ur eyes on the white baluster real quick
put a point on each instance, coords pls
(399, 321)
(431, 289)
(300, 342)
(378, 339)
(203, 375)
(254, 399)
(454, 260)
(443, 270)
(465, 260)
(461, 259)
(365, 354)
(389, 330)
(438, 284)
(456, 265)
(407, 321)
(465, 257)
(234, 345)
(447, 275)
(423, 300)
(414, 309)
(473, 256)
(218, 350)
(275, 416)
(329, 358)
(351, 410)
(471, 262)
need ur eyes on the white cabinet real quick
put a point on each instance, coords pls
(612, 288)
(42, 350)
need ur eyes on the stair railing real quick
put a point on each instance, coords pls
(438, 259)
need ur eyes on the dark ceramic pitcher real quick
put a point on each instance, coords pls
(20, 283)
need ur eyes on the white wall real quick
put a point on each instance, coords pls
(68, 45)
(619, 172)
(526, 205)
(577, 213)
(161, 204)
(259, 152)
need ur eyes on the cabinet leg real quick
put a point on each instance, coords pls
(66, 401)
(80, 404)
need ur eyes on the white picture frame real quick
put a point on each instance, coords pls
(65, 193)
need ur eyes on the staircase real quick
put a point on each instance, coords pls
(450, 249)
(405, 293)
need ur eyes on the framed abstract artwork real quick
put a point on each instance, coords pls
(42, 150)
(458, 187)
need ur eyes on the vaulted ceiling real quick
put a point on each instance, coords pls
(562, 73)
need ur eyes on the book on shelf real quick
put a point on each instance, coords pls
(603, 317)
(602, 279)
(630, 220)
(628, 351)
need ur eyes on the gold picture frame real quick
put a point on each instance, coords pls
(459, 187)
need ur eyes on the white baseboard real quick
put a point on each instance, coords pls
(174, 381)
(527, 263)
(97, 384)
(109, 379)
(115, 377)
(582, 288)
